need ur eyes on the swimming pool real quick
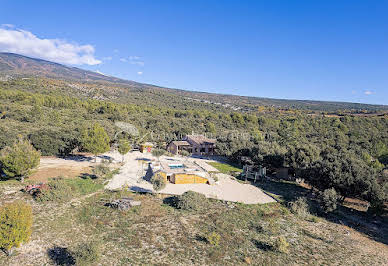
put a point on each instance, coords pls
(176, 166)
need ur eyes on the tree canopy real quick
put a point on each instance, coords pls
(95, 139)
(19, 159)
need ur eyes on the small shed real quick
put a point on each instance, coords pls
(146, 147)
(182, 178)
(176, 146)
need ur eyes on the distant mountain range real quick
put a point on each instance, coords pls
(15, 66)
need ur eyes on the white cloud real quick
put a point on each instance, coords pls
(368, 92)
(133, 60)
(7, 26)
(60, 51)
(140, 73)
(136, 60)
(107, 58)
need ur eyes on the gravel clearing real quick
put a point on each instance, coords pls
(226, 188)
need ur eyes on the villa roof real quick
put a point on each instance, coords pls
(200, 139)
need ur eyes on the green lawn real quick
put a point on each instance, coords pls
(225, 168)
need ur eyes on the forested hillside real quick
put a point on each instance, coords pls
(351, 148)
(340, 150)
(92, 84)
(345, 151)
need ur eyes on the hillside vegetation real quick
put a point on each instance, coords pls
(157, 232)
(340, 156)
(93, 84)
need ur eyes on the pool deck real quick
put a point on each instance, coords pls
(189, 167)
(226, 188)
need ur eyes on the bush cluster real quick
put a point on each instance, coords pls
(190, 201)
(87, 253)
(213, 238)
(281, 245)
(18, 160)
(300, 207)
(328, 200)
(15, 224)
(158, 182)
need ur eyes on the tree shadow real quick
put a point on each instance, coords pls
(171, 201)
(88, 176)
(316, 237)
(374, 226)
(139, 189)
(60, 256)
(143, 159)
(287, 191)
(261, 245)
(105, 157)
(200, 238)
(148, 174)
(77, 158)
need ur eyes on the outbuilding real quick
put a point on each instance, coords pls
(146, 147)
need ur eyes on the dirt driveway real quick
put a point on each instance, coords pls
(68, 167)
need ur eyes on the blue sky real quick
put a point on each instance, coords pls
(321, 50)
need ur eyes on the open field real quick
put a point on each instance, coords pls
(69, 167)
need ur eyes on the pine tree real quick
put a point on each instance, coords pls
(124, 147)
(95, 140)
(18, 159)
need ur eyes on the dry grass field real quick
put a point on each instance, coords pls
(158, 233)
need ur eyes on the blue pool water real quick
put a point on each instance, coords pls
(176, 166)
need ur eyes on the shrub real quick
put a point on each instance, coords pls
(124, 147)
(50, 142)
(19, 159)
(158, 182)
(300, 207)
(190, 201)
(377, 198)
(213, 238)
(15, 225)
(281, 245)
(57, 190)
(87, 254)
(328, 200)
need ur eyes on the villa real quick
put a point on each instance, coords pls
(193, 144)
